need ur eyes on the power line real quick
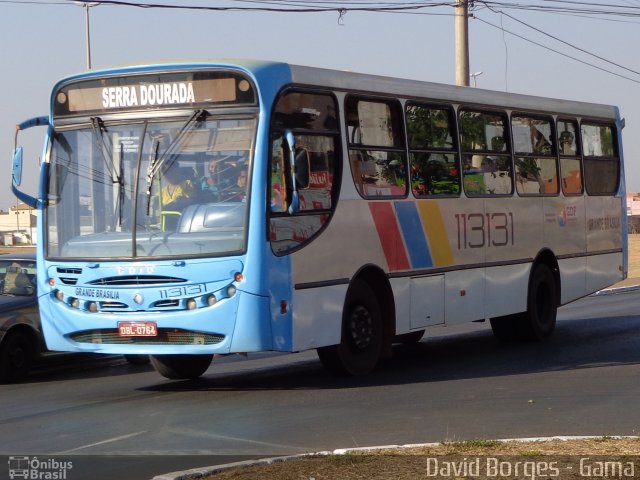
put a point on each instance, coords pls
(573, 7)
(566, 43)
(556, 51)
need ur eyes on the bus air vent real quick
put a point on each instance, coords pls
(133, 280)
(68, 280)
(69, 270)
(167, 303)
(105, 306)
(166, 336)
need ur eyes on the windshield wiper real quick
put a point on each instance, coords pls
(116, 175)
(99, 130)
(155, 163)
(152, 162)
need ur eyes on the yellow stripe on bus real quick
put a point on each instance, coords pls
(436, 232)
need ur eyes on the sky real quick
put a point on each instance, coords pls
(42, 41)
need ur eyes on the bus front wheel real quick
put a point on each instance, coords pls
(181, 367)
(361, 338)
(17, 353)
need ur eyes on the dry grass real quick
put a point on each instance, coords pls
(634, 255)
(418, 462)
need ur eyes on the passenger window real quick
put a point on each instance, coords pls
(432, 151)
(601, 162)
(535, 155)
(486, 161)
(570, 164)
(376, 147)
(312, 119)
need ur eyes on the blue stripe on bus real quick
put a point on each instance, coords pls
(413, 234)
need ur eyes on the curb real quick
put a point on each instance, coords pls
(616, 290)
(201, 472)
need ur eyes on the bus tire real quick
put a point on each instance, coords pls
(17, 354)
(539, 320)
(360, 346)
(181, 367)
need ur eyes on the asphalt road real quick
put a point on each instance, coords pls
(458, 383)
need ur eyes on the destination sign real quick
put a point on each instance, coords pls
(153, 91)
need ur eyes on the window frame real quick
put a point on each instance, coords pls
(603, 158)
(577, 156)
(535, 156)
(507, 153)
(336, 133)
(395, 104)
(454, 150)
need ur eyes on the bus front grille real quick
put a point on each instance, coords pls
(135, 280)
(166, 336)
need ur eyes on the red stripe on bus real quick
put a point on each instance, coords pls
(389, 234)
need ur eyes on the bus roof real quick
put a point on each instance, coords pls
(271, 71)
(439, 92)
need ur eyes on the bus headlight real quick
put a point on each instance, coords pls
(59, 295)
(74, 302)
(92, 307)
(191, 304)
(231, 291)
(211, 300)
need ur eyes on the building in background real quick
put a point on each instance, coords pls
(633, 211)
(18, 225)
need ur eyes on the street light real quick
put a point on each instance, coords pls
(474, 76)
(87, 6)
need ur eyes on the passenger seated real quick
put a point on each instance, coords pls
(176, 194)
(177, 191)
(209, 183)
(224, 182)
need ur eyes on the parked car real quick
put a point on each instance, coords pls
(21, 340)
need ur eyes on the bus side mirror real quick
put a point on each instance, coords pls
(16, 171)
(17, 161)
(290, 141)
(299, 167)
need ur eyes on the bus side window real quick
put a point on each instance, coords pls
(486, 158)
(570, 164)
(601, 161)
(433, 155)
(310, 118)
(535, 150)
(278, 203)
(376, 147)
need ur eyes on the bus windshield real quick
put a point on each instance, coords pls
(149, 188)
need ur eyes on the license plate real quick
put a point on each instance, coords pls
(137, 329)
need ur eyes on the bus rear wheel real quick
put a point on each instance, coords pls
(181, 367)
(361, 339)
(539, 321)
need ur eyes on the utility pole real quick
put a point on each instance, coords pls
(462, 43)
(87, 6)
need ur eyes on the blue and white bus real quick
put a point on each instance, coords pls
(193, 209)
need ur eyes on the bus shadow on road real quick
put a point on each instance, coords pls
(576, 344)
